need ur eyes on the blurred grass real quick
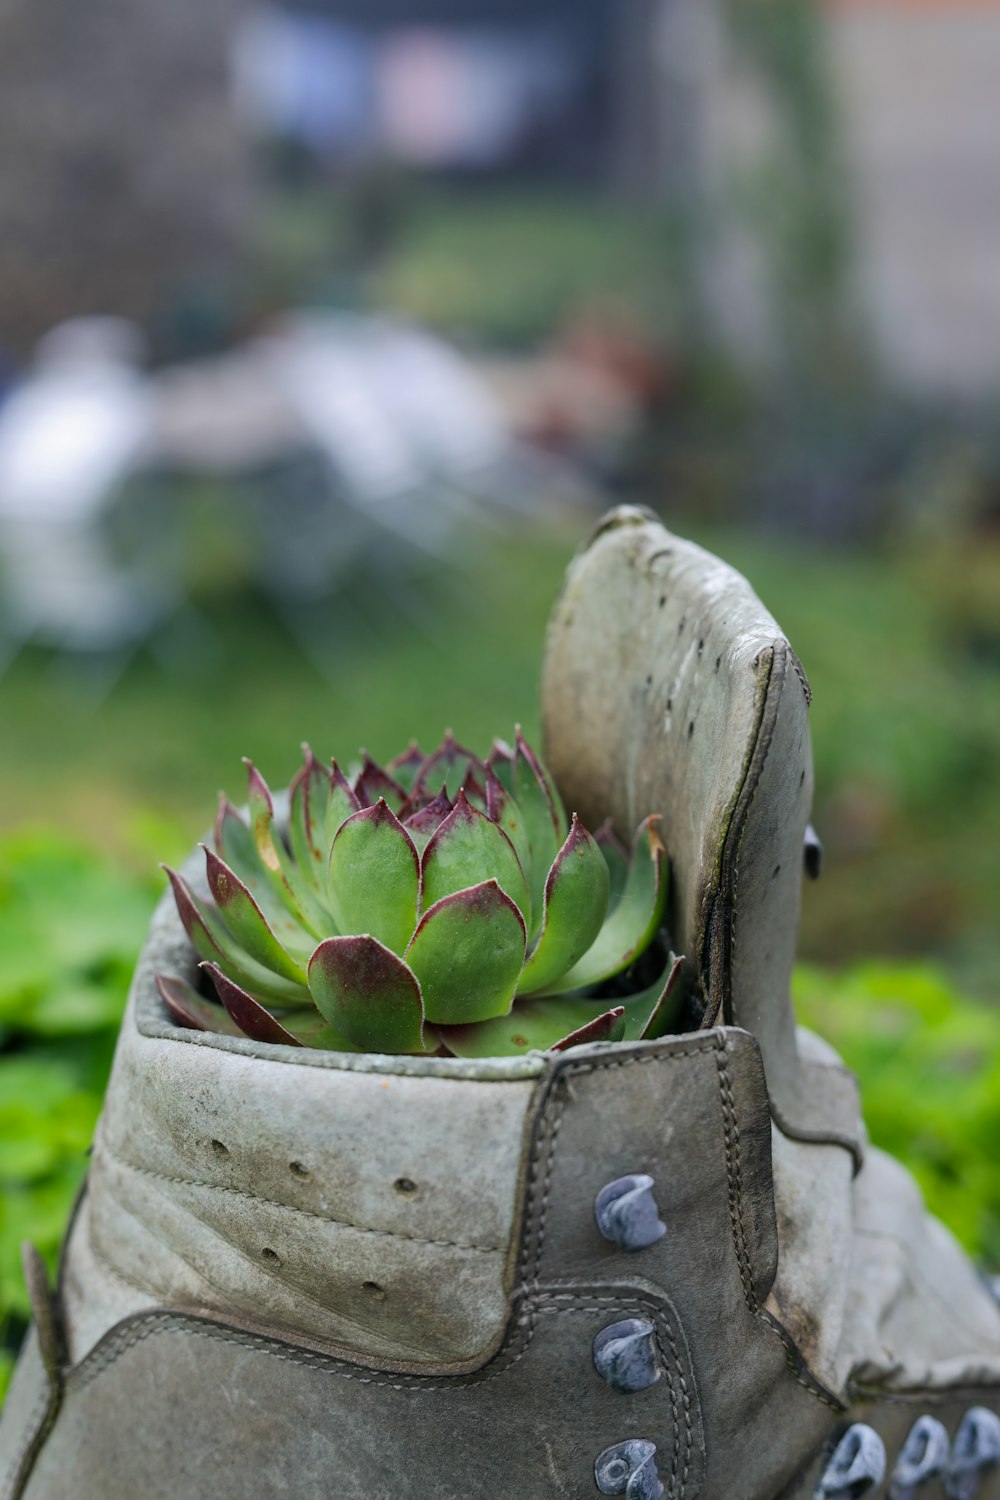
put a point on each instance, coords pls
(503, 266)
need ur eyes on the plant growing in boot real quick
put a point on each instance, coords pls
(443, 904)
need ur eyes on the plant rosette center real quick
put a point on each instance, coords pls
(443, 904)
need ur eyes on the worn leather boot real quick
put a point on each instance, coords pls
(665, 1268)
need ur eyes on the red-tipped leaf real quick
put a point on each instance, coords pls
(247, 922)
(405, 768)
(609, 1027)
(468, 849)
(537, 1025)
(375, 877)
(309, 802)
(576, 903)
(425, 822)
(248, 1014)
(372, 783)
(635, 920)
(467, 954)
(368, 994)
(212, 940)
(187, 1008)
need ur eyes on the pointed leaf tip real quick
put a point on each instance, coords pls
(246, 921)
(372, 783)
(252, 1018)
(609, 1027)
(635, 920)
(468, 849)
(258, 790)
(575, 906)
(187, 1008)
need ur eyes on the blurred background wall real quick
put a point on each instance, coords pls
(123, 168)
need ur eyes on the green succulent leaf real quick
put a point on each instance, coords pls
(535, 1025)
(501, 763)
(467, 954)
(188, 1008)
(617, 860)
(475, 791)
(309, 803)
(375, 877)
(249, 1015)
(634, 922)
(544, 823)
(608, 1027)
(369, 994)
(502, 809)
(372, 784)
(291, 885)
(405, 768)
(576, 902)
(246, 921)
(312, 1030)
(466, 849)
(449, 767)
(343, 803)
(652, 1012)
(212, 940)
(235, 844)
(423, 824)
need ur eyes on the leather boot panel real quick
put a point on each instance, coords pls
(165, 1405)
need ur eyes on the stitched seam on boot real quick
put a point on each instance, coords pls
(149, 1326)
(219, 1289)
(954, 1395)
(40, 1421)
(550, 1121)
(394, 1234)
(734, 1176)
(35, 1418)
(735, 1179)
(802, 1377)
(581, 1304)
(765, 749)
(113, 1270)
(734, 1171)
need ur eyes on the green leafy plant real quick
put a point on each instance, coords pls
(444, 904)
(928, 1059)
(71, 924)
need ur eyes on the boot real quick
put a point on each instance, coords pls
(664, 1268)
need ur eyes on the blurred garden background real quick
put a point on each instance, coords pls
(326, 331)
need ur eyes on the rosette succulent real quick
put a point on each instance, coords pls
(442, 904)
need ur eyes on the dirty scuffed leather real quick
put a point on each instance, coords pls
(305, 1274)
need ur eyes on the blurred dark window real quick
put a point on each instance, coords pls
(467, 89)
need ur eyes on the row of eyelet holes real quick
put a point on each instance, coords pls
(625, 1353)
(404, 1186)
(858, 1462)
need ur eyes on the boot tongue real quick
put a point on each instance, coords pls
(668, 687)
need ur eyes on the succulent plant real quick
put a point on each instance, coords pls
(442, 904)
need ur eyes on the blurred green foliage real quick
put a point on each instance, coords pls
(929, 1063)
(71, 924)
